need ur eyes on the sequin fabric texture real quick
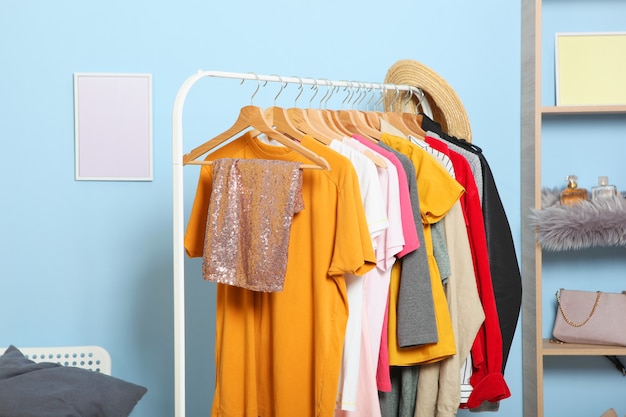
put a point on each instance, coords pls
(253, 202)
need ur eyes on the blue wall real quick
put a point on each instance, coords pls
(91, 262)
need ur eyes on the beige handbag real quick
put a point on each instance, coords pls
(597, 318)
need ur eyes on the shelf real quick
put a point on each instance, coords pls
(575, 349)
(557, 110)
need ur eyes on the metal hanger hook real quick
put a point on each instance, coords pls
(300, 88)
(370, 89)
(333, 89)
(330, 92)
(420, 97)
(258, 86)
(354, 98)
(383, 92)
(406, 102)
(362, 93)
(412, 93)
(282, 87)
(326, 94)
(347, 88)
(353, 88)
(313, 87)
(395, 97)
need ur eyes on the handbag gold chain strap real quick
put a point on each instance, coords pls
(571, 323)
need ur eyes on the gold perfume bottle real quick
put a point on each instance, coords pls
(572, 194)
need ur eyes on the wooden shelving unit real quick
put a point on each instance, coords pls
(534, 346)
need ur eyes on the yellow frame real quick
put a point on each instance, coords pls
(590, 69)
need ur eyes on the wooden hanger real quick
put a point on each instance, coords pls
(401, 120)
(344, 117)
(376, 159)
(324, 120)
(253, 117)
(329, 117)
(413, 123)
(372, 116)
(410, 122)
(323, 123)
(357, 121)
(301, 121)
(373, 119)
(278, 117)
(350, 122)
(395, 119)
(332, 118)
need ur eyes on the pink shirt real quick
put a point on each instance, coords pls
(408, 224)
(376, 289)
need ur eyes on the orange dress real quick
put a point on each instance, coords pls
(279, 354)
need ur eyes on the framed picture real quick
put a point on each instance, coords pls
(590, 69)
(113, 126)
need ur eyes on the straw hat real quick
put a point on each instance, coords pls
(447, 108)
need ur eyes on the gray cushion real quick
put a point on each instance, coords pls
(29, 389)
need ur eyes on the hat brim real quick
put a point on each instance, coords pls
(447, 108)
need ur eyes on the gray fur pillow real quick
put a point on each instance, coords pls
(585, 225)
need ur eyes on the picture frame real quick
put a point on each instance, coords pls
(590, 69)
(113, 126)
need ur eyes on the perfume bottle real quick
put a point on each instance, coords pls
(603, 189)
(572, 194)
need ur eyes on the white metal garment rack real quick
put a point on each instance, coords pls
(178, 201)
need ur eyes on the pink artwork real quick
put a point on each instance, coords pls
(113, 126)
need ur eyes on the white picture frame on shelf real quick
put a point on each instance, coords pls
(113, 126)
(590, 69)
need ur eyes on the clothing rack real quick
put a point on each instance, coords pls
(178, 197)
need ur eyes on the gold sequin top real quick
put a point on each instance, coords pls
(252, 205)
